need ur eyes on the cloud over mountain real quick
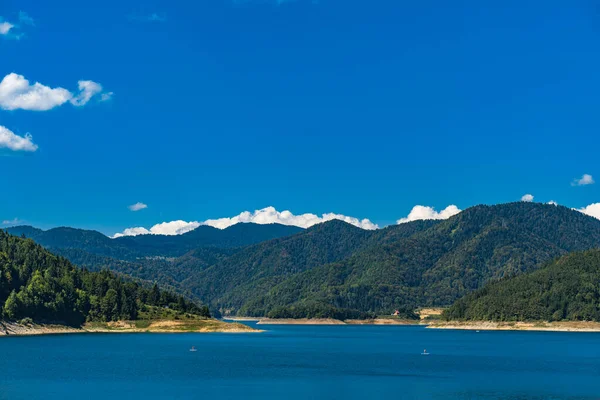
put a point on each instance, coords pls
(425, 212)
(268, 215)
(528, 198)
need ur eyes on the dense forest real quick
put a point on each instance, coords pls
(437, 265)
(39, 285)
(564, 289)
(335, 267)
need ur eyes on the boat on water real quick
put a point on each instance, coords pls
(193, 348)
(424, 353)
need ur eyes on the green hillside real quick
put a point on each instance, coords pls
(565, 289)
(233, 284)
(438, 265)
(36, 284)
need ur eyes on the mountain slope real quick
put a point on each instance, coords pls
(565, 289)
(442, 263)
(36, 284)
(231, 283)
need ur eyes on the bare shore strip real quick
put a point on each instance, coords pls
(559, 326)
(324, 321)
(563, 326)
(158, 326)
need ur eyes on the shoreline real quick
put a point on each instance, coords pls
(331, 321)
(9, 329)
(535, 326)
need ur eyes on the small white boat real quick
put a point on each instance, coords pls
(424, 353)
(193, 348)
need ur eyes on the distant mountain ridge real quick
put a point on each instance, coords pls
(133, 247)
(335, 269)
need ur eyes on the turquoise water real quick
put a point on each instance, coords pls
(304, 362)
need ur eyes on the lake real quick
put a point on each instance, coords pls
(304, 362)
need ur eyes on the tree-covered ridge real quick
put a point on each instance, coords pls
(565, 289)
(440, 264)
(131, 248)
(36, 284)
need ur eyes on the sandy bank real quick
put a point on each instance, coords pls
(160, 326)
(563, 326)
(330, 321)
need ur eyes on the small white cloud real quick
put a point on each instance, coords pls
(87, 90)
(106, 96)
(552, 202)
(25, 19)
(586, 179)
(593, 210)
(528, 198)
(137, 206)
(14, 30)
(14, 142)
(268, 215)
(5, 27)
(424, 212)
(16, 93)
(12, 222)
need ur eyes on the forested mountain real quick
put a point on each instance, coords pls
(36, 284)
(235, 282)
(134, 247)
(437, 265)
(565, 289)
(336, 269)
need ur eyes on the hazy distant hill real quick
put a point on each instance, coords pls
(437, 265)
(132, 247)
(565, 289)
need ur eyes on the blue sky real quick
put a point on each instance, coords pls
(207, 109)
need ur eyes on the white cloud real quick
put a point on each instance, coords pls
(553, 203)
(267, 215)
(14, 142)
(166, 228)
(270, 215)
(106, 96)
(5, 27)
(14, 30)
(586, 179)
(137, 206)
(16, 93)
(528, 198)
(424, 212)
(25, 19)
(593, 210)
(87, 90)
(12, 222)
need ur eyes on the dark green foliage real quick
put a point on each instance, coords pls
(436, 265)
(565, 289)
(36, 284)
(313, 309)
